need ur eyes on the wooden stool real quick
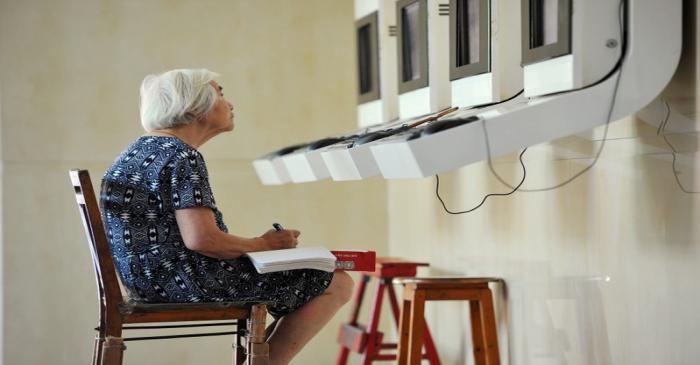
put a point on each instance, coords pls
(367, 340)
(483, 321)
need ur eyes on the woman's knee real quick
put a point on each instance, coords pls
(341, 286)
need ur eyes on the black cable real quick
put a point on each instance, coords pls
(481, 106)
(674, 151)
(618, 67)
(584, 170)
(437, 190)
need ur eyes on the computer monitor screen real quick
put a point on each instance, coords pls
(367, 58)
(543, 22)
(412, 19)
(364, 58)
(470, 37)
(546, 28)
(467, 17)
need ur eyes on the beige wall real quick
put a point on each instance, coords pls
(69, 77)
(601, 271)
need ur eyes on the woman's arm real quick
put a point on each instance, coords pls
(201, 234)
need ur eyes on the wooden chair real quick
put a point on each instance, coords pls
(117, 310)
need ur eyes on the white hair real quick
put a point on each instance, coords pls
(176, 98)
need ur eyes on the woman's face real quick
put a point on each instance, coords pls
(220, 118)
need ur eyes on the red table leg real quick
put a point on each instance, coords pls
(342, 358)
(373, 338)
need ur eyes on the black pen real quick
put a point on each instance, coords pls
(277, 226)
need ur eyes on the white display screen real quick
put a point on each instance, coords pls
(544, 18)
(364, 54)
(468, 28)
(410, 21)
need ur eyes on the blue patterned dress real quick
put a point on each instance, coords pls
(152, 178)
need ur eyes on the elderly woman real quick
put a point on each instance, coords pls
(168, 237)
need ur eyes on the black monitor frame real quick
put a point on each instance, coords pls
(371, 23)
(563, 44)
(484, 63)
(422, 41)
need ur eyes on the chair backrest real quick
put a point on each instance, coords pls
(110, 294)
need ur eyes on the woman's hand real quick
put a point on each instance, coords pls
(277, 240)
(201, 234)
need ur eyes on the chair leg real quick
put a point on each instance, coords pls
(270, 330)
(258, 349)
(112, 350)
(97, 351)
(238, 348)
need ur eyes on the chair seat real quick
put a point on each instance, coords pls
(139, 312)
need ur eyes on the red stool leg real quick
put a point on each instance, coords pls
(430, 350)
(394, 302)
(372, 336)
(342, 358)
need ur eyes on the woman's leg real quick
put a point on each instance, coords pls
(297, 328)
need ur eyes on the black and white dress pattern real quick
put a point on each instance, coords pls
(152, 178)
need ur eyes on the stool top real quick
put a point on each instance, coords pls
(397, 261)
(391, 267)
(446, 281)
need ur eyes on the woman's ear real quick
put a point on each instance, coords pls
(193, 117)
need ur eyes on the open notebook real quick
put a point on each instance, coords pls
(319, 258)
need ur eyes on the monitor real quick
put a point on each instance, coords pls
(412, 44)
(546, 29)
(368, 58)
(469, 38)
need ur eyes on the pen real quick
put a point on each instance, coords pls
(277, 226)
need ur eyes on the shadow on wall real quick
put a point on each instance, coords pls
(559, 319)
(562, 318)
(675, 114)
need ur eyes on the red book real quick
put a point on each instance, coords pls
(355, 260)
